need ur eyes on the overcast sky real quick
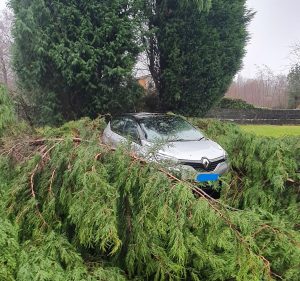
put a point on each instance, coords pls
(275, 28)
(2, 4)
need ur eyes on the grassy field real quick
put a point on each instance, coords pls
(272, 131)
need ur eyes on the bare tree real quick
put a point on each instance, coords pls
(295, 54)
(6, 73)
(265, 90)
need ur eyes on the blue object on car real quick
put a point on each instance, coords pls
(207, 177)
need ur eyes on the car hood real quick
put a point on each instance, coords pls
(193, 150)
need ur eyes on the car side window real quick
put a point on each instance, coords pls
(131, 130)
(117, 126)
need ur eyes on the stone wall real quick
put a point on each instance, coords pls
(257, 116)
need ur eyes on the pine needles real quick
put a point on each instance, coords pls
(6, 110)
(73, 209)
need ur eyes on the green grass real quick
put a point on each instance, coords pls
(272, 131)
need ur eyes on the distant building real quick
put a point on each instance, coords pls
(147, 83)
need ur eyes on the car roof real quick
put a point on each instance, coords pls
(141, 115)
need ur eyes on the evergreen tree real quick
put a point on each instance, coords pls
(193, 53)
(75, 58)
(294, 86)
(7, 116)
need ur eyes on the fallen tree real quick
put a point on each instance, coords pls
(73, 209)
(77, 210)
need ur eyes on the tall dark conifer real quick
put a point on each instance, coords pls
(75, 58)
(194, 53)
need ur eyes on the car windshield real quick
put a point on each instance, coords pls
(169, 128)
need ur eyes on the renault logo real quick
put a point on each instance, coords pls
(205, 162)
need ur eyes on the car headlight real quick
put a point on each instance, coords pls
(184, 172)
(187, 172)
(219, 146)
(165, 158)
(224, 151)
(226, 155)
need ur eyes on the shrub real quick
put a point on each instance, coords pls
(234, 104)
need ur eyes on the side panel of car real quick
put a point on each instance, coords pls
(112, 135)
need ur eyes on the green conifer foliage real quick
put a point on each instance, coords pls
(76, 210)
(194, 54)
(7, 115)
(9, 248)
(256, 162)
(294, 86)
(75, 58)
(265, 178)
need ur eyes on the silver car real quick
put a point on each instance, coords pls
(171, 139)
